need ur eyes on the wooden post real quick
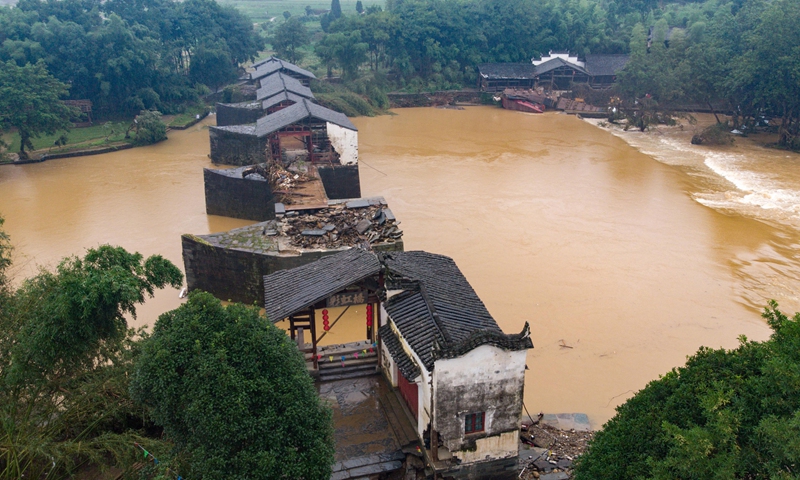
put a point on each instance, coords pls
(313, 328)
(434, 444)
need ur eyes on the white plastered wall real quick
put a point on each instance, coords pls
(345, 142)
(486, 379)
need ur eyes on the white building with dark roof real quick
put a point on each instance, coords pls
(460, 376)
(555, 71)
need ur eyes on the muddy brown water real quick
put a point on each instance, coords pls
(619, 259)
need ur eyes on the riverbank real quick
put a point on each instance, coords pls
(176, 122)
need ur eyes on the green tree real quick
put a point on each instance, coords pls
(30, 101)
(336, 10)
(726, 414)
(5, 261)
(233, 392)
(66, 355)
(212, 66)
(346, 50)
(359, 7)
(289, 37)
(149, 128)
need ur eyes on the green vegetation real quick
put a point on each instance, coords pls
(232, 391)
(262, 11)
(65, 358)
(148, 128)
(107, 133)
(189, 116)
(79, 390)
(289, 37)
(726, 414)
(30, 102)
(130, 56)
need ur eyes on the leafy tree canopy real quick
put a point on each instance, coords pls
(65, 359)
(232, 391)
(126, 55)
(30, 101)
(726, 414)
(149, 128)
(289, 37)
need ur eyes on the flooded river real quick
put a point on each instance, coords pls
(624, 260)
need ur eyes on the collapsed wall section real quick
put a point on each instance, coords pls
(345, 142)
(237, 145)
(230, 194)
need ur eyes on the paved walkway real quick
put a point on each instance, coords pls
(365, 441)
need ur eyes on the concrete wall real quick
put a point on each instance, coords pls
(235, 148)
(235, 275)
(230, 195)
(340, 181)
(487, 379)
(345, 142)
(238, 113)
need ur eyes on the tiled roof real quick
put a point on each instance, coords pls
(507, 70)
(439, 312)
(407, 367)
(598, 65)
(555, 63)
(299, 111)
(273, 64)
(278, 82)
(281, 97)
(287, 292)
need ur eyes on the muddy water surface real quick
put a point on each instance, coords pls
(609, 254)
(142, 199)
(620, 271)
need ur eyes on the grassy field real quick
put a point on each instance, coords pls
(262, 10)
(86, 137)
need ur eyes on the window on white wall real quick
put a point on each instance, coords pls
(474, 422)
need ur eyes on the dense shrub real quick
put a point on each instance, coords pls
(726, 414)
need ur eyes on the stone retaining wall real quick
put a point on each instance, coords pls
(235, 275)
(340, 181)
(238, 113)
(238, 275)
(230, 195)
(236, 148)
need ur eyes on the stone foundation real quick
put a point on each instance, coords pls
(340, 181)
(230, 195)
(235, 275)
(237, 145)
(238, 113)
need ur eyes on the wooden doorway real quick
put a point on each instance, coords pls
(410, 392)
